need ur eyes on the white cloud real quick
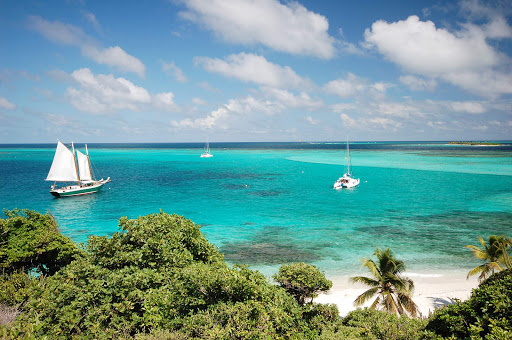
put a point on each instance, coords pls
(420, 47)
(352, 86)
(269, 102)
(91, 18)
(104, 93)
(311, 120)
(67, 34)
(287, 99)
(164, 101)
(463, 58)
(287, 27)
(253, 68)
(57, 31)
(199, 101)
(371, 123)
(468, 107)
(348, 87)
(207, 122)
(116, 57)
(397, 109)
(175, 71)
(418, 83)
(6, 105)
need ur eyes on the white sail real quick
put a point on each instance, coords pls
(84, 168)
(63, 167)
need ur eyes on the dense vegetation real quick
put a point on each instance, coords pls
(160, 278)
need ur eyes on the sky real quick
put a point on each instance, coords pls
(254, 70)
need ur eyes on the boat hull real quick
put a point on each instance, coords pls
(76, 190)
(346, 183)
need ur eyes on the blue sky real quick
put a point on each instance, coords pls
(246, 70)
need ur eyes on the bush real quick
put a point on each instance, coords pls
(487, 314)
(302, 281)
(384, 325)
(31, 242)
(159, 277)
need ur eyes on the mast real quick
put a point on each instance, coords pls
(88, 161)
(348, 158)
(76, 165)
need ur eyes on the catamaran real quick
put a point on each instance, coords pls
(75, 168)
(346, 181)
(206, 153)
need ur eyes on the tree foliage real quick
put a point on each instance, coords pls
(494, 255)
(393, 291)
(160, 275)
(302, 280)
(486, 315)
(31, 242)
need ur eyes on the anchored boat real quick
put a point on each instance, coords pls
(72, 166)
(206, 153)
(346, 181)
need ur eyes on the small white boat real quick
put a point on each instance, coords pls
(206, 153)
(346, 181)
(68, 167)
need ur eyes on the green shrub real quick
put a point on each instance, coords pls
(160, 277)
(302, 280)
(384, 325)
(31, 242)
(15, 288)
(487, 314)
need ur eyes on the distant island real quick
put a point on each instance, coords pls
(475, 143)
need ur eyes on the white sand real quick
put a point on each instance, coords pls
(431, 291)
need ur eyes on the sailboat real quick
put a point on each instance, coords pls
(346, 181)
(206, 153)
(70, 167)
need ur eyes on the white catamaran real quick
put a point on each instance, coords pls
(346, 181)
(206, 153)
(68, 167)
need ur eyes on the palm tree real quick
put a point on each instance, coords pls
(492, 254)
(393, 290)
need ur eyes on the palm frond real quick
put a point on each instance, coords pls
(361, 299)
(365, 280)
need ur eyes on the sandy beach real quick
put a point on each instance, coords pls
(431, 291)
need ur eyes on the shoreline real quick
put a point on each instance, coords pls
(431, 291)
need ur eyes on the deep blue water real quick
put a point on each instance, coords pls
(265, 204)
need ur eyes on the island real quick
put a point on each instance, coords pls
(476, 143)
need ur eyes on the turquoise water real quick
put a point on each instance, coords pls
(268, 204)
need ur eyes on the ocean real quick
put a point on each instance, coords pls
(266, 204)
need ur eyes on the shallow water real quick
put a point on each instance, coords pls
(265, 204)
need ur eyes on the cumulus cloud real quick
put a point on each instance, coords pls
(288, 99)
(105, 93)
(66, 34)
(310, 120)
(348, 87)
(174, 71)
(267, 102)
(253, 68)
(353, 85)
(164, 101)
(6, 104)
(116, 57)
(287, 27)
(468, 107)
(370, 123)
(418, 83)
(463, 58)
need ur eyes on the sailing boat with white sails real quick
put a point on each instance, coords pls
(206, 153)
(68, 167)
(346, 181)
